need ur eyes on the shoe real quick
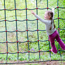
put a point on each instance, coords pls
(52, 51)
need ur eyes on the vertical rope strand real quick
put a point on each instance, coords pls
(48, 37)
(59, 30)
(37, 29)
(16, 30)
(58, 22)
(27, 29)
(6, 29)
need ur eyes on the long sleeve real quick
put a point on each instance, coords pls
(47, 25)
(53, 12)
(42, 20)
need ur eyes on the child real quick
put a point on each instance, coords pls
(51, 30)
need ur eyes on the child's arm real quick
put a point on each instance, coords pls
(53, 12)
(42, 20)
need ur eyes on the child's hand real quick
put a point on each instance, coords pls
(32, 12)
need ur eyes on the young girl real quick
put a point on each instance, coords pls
(51, 30)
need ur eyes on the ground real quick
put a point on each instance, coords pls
(40, 63)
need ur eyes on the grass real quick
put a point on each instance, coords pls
(32, 25)
(33, 57)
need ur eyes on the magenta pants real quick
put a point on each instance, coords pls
(52, 38)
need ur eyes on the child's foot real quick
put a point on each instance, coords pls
(52, 51)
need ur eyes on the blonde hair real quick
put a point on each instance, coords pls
(50, 13)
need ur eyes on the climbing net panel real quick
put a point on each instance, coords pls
(27, 30)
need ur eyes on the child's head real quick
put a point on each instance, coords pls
(48, 15)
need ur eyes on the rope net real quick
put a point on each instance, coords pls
(27, 30)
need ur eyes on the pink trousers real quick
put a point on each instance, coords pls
(52, 38)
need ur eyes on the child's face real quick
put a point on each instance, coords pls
(46, 16)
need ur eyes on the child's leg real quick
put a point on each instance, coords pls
(60, 42)
(52, 41)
